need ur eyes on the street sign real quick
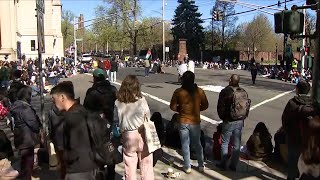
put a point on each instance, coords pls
(40, 6)
(79, 39)
(40, 31)
(167, 49)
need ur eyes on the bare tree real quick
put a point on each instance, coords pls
(225, 29)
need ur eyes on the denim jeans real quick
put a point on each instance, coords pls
(228, 129)
(146, 71)
(191, 132)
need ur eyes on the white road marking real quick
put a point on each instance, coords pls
(212, 121)
(269, 100)
(212, 88)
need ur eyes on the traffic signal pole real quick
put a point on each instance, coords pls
(316, 62)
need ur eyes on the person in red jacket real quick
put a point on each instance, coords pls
(107, 66)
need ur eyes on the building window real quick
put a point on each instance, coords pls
(33, 45)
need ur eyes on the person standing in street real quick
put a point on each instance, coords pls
(100, 98)
(294, 120)
(113, 70)
(131, 109)
(254, 70)
(182, 68)
(77, 147)
(191, 65)
(230, 99)
(189, 101)
(146, 67)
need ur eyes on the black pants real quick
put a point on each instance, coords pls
(27, 159)
(108, 173)
(254, 76)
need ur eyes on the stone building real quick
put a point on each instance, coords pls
(18, 29)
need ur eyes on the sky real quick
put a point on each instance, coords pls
(153, 8)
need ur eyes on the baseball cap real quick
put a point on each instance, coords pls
(99, 73)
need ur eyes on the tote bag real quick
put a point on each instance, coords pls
(151, 136)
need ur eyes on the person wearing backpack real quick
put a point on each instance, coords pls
(100, 99)
(189, 101)
(233, 108)
(294, 120)
(80, 164)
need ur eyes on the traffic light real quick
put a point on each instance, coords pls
(221, 16)
(289, 22)
(217, 15)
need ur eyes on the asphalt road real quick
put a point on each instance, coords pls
(269, 97)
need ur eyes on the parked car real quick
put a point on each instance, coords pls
(86, 58)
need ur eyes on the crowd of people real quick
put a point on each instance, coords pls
(79, 133)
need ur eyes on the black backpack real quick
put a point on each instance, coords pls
(104, 151)
(240, 105)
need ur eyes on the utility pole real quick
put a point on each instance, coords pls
(285, 38)
(163, 35)
(304, 43)
(316, 63)
(212, 32)
(135, 32)
(75, 40)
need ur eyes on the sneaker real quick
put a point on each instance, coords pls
(187, 170)
(202, 168)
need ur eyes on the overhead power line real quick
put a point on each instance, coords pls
(258, 8)
(253, 10)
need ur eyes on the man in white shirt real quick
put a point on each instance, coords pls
(182, 68)
(191, 66)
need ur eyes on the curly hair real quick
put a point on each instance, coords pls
(129, 91)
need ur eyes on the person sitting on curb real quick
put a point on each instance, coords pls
(259, 145)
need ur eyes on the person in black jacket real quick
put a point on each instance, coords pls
(113, 70)
(76, 139)
(294, 119)
(26, 130)
(100, 99)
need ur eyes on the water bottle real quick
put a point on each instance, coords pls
(116, 131)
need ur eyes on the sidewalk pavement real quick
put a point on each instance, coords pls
(246, 169)
(250, 170)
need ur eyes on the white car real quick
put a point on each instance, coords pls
(86, 58)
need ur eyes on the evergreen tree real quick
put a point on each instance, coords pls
(187, 25)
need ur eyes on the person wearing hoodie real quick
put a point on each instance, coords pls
(100, 98)
(189, 101)
(26, 130)
(294, 119)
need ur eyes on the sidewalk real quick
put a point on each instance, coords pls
(246, 169)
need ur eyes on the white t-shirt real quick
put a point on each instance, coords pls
(191, 66)
(182, 68)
